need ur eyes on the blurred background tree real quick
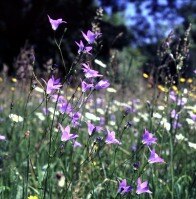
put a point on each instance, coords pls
(139, 25)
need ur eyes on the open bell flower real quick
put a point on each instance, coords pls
(148, 138)
(66, 135)
(86, 86)
(123, 187)
(142, 187)
(82, 48)
(102, 84)
(52, 85)
(110, 139)
(90, 36)
(92, 128)
(154, 158)
(90, 73)
(55, 22)
(76, 144)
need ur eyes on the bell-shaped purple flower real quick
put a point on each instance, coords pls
(148, 138)
(142, 187)
(172, 96)
(55, 23)
(75, 119)
(76, 144)
(62, 104)
(65, 108)
(90, 36)
(66, 135)
(174, 114)
(89, 73)
(92, 128)
(110, 139)
(123, 187)
(52, 85)
(82, 48)
(154, 158)
(102, 84)
(2, 138)
(86, 86)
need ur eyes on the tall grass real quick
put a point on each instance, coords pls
(36, 162)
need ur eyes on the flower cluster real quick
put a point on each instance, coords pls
(93, 81)
(90, 37)
(142, 187)
(90, 82)
(148, 139)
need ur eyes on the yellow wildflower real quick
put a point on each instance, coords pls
(189, 80)
(182, 79)
(14, 80)
(145, 75)
(33, 197)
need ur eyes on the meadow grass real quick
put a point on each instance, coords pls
(40, 158)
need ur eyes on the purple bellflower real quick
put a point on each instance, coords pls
(2, 138)
(92, 128)
(193, 116)
(142, 187)
(52, 85)
(174, 114)
(89, 73)
(154, 158)
(66, 135)
(82, 48)
(110, 139)
(75, 119)
(148, 138)
(55, 23)
(123, 188)
(182, 101)
(62, 104)
(65, 108)
(90, 36)
(45, 111)
(176, 124)
(172, 96)
(76, 144)
(102, 84)
(86, 86)
(58, 98)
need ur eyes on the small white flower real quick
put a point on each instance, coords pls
(51, 110)
(100, 111)
(161, 108)
(38, 89)
(112, 123)
(16, 118)
(91, 116)
(100, 63)
(190, 121)
(136, 119)
(192, 145)
(181, 137)
(144, 116)
(111, 90)
(165, 124)
(157, 115)
(40, 116)
(185, 91)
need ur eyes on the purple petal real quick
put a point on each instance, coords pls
(55, 23)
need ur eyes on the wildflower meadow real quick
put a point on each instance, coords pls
(74, 132)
